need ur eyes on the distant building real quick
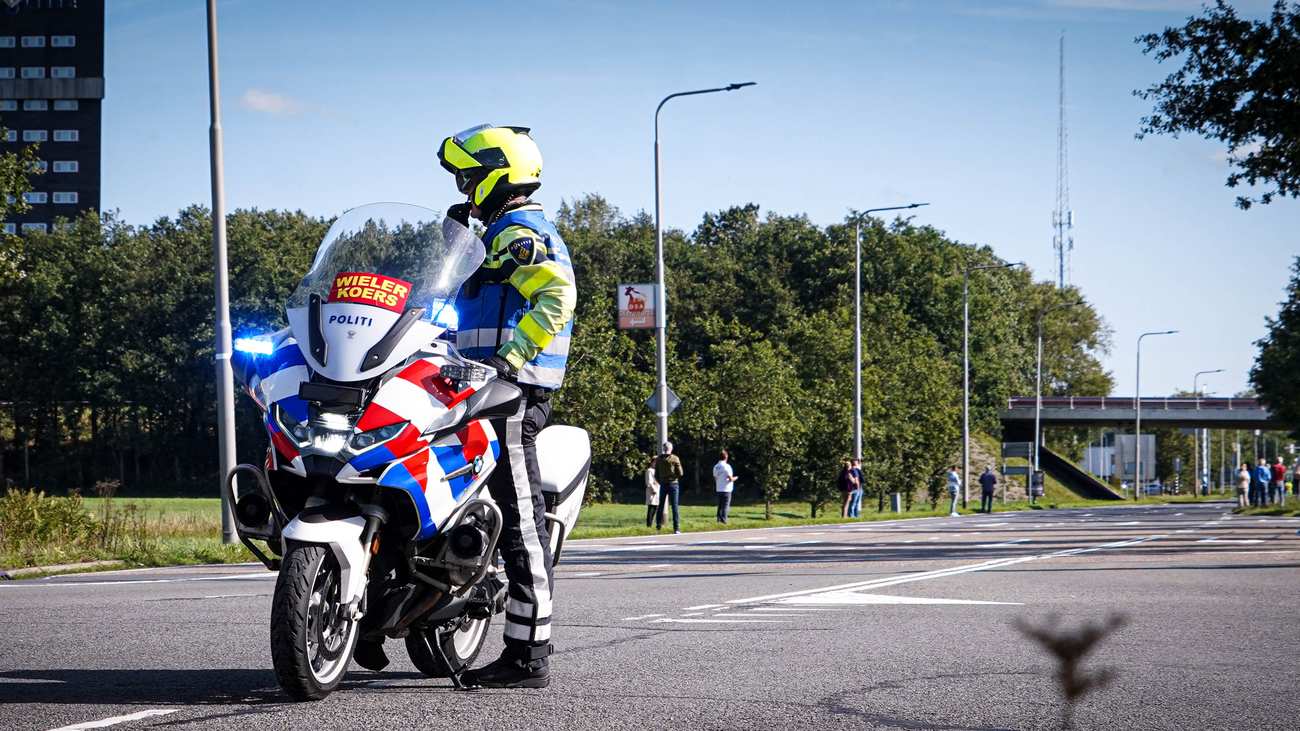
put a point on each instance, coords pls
(51, 92)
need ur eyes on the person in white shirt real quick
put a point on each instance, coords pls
(651, 493)
(723, 479)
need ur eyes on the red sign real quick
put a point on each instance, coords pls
(636, 306)
(389, 293)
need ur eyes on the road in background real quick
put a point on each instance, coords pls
(904, 624)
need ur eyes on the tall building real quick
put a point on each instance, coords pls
(51, 93)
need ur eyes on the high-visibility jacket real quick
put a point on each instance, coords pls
(519, 304)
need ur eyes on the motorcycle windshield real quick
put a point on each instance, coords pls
(394, 256)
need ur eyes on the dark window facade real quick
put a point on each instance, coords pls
(65, 99)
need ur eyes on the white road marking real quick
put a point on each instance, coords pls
(941, 573)
(706, 606)
(1011, 542)
(853, 597)
(692, 614)
(128, 582)
(718, 621)
(117, 719)
(1230, 540)
(640, 616)
(582, 575)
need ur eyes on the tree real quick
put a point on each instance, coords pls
(1240, 85)
(15, 167)
(1278, 361)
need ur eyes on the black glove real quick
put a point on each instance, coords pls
(459, 213)
(502, 367)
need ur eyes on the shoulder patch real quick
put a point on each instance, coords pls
(523, 249)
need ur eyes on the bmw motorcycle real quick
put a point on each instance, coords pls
(372, 502)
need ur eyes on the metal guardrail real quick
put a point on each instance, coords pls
(1018, 403)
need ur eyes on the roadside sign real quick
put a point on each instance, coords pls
(653, 401)
(1012, 471)
(1018, 449)
(636, 306)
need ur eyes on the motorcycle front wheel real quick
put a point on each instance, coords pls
(312, 636)
(460, 643)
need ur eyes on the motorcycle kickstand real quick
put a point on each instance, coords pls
(455, 674)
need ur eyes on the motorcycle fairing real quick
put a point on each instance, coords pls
(274, 384)
(416, 465)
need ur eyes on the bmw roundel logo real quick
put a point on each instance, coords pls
(478, 464)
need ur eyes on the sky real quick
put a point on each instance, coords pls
(328, 105)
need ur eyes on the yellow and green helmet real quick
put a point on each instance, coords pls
(492, 164)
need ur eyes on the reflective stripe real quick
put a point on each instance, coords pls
(524, 633)
(487, 338)
(540, 277)
(541, 582)
(535, 375)
(535, 332)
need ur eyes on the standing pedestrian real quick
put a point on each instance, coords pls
(1295, 478)
(1260, 485)
(1243, 485)
(668, 470)
(855, 495)
(723, 481)
(651, 495)
(954, 487)
(988, 482)
(1277, 488)
(845, 483)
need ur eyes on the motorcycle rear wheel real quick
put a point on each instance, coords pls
(460, 645)
(311, 638)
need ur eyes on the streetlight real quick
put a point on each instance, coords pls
(965, 372)
(1137, 471)
(857, 321)
(221, 281)
(1196, 459)
(1038, 386)
(661, 293)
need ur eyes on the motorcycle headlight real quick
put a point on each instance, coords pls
(367, 439)
(296, 430)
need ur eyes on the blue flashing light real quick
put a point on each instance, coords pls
(255, 346)
(447, 317)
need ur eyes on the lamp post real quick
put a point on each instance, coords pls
(661, 294)
(1137, 470)
(1197, 434)
(965, 372)
(1038, 385)
(221, 281)
(857, 320)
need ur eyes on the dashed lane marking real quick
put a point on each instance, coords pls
(1230, 540)
(718, 621)
(113, 721)
(640, 616)
(941, 573)
(1004, 544)
(853, 597)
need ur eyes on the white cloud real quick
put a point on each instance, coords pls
(269, 102)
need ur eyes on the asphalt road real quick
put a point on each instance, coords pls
(906, 624)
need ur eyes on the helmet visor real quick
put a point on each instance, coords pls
(464, 135)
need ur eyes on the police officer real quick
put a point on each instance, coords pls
(516, 316)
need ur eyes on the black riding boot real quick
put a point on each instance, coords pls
(520, 666)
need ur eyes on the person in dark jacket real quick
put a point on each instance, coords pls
(988, 483)
(668, 470)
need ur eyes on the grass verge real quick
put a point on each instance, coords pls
(38, 530)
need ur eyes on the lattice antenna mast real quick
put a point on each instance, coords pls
(1062, 216)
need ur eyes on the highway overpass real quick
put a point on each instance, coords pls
(1119, 411)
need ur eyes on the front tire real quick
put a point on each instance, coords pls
(311, 638)
(461, 644)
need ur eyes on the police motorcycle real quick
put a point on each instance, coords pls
(372, 502)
